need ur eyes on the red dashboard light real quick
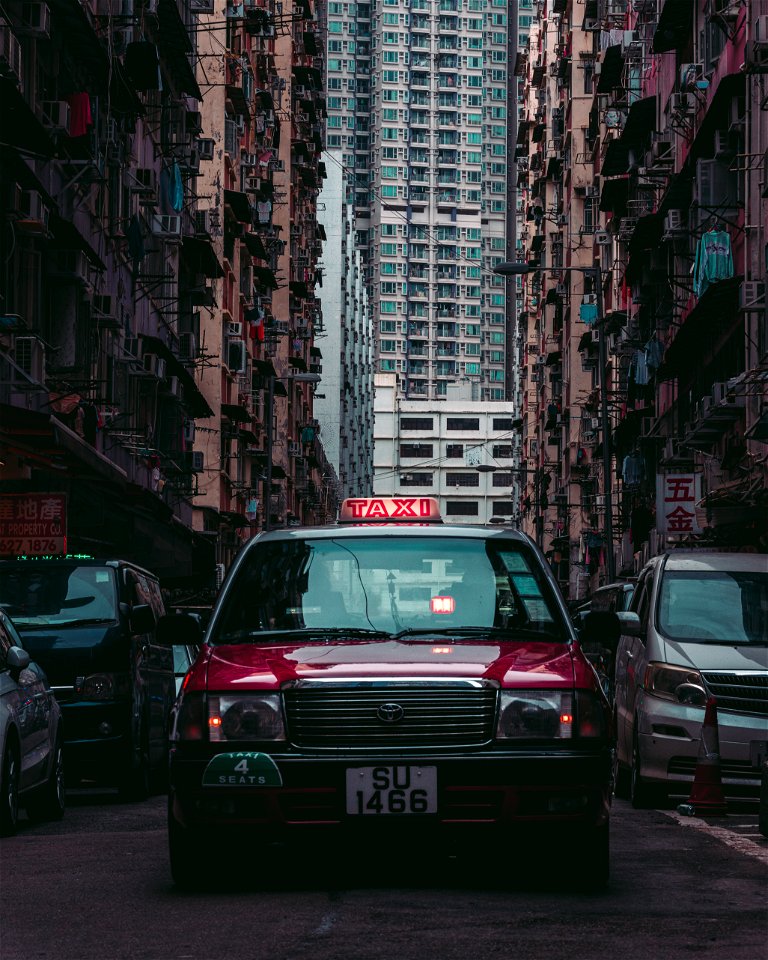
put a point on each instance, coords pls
(439, 650)
(442, 605)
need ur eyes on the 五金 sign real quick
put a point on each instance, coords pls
(676, 497)
(33, 523)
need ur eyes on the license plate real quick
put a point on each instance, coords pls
(758, 750)
(391, 791)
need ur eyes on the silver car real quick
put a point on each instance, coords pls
(32, 770)
(697, 626)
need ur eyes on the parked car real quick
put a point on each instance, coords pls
(91, 626)
(697, 626)
(391, 677)
(614, 597)
(32, 770)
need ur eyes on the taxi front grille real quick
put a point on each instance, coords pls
(739, 691)
(378, 715)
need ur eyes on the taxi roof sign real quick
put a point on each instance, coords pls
(390, 509)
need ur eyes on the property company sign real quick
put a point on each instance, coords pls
(33, 524)
(676, 497)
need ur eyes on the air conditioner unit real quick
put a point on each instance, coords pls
(724, 149)
(55, 114)
(592, 190)
(237, 356)
(174, 386)
(203, 221)
(143, 180)
(682, 104)
(294, 448)
(594, 422)
(205, 149)
(760, 33)
(190, 160)
(674, 222)
(34, 212)
(752, 296)
(187, 346)
(189, 431)
(29, 356)
(37, 19)
(197, 461)
(233, 328)
(154, 365)
(166, 225)
(69, 263)
(602, 238)
(10, 54)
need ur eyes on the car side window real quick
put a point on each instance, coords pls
(5, 644)
(642, 599)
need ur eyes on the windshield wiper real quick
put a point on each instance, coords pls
(511, 633)
(305, 632)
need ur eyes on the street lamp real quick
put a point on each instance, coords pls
(292, 378)
(515, 268)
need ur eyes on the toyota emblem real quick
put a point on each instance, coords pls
(390, 713)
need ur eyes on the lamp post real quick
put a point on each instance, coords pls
(513, 268)
(291, 378)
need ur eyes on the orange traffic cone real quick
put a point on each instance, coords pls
(707, 797)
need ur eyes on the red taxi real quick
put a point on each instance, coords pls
(387, 674)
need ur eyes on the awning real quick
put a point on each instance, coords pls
(616, 160)
(201, 257)
(586, 342)
(239, 205)
(713, 320)
(20, 129)
(315, 352)
(647, 233)
(553, 358)
(673, 27)
(613, 195)
(320, 232)
(66, 236)
(233, 518)
(611, 69)
(298, 363)
(310, 43)
(278, 389)
(264, 368)
(254, 245)
(235, 413)
(76, 30)
(299, 288)
(175, 45)
(265, 277)
(277, 472)
(640, 122)
(194, 401)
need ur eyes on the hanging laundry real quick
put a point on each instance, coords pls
(588, 309)
(640, 368)
(714, 260)
(264, 211)
(654, 354)
(80, 117)
(633, 469)
(176, 189)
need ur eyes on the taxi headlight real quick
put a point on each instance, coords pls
(680, 684)
(550, 715)
(238, 717)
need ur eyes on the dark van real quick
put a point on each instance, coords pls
(90, 624)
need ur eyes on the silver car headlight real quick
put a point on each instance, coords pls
(681, 684)
(245, 717)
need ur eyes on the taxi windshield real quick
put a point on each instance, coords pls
(388, 586)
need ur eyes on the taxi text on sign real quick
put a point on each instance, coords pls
(33, 524)
(390, 508)
(676, 497)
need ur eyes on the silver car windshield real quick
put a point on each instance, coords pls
(388, 586)
(714, 607)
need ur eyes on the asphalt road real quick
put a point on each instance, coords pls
(97, 886)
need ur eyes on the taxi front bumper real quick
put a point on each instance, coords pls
(472, 792)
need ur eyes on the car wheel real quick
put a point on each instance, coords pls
(9, 801)
(642, 794)
(47, 801)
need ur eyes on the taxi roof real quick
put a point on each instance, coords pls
(356, 529)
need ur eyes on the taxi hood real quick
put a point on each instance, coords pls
(268, 666)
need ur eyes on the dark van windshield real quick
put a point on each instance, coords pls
(57, 594)
(388, 585)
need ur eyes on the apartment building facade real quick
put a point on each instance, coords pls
(159, 249)
(642, 161)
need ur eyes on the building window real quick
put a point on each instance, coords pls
(503, 423)
(461, 508)
(502, 451)
(454, 451)
(502, 479)
(415, 479)
(420, 450)
(503, 508)
(462, 479)
(416, 423)
(463, 423)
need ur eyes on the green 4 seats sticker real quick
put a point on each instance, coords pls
(242, 770)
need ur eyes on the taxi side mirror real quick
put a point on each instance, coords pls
(600, 628)
(630, 623)
(178, 628)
